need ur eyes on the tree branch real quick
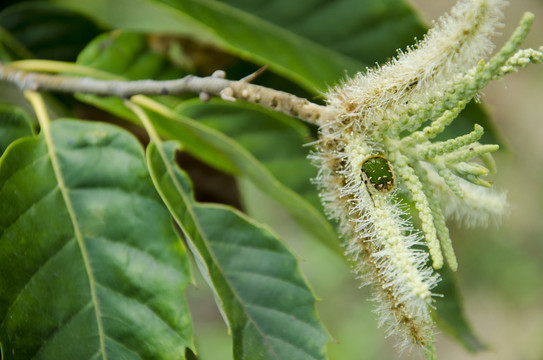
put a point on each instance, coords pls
(228, 90)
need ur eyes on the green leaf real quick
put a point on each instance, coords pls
(90, 266)
(450, 315)
(369, 31)
(46, 31)
(10, 48)
(130, 56)
(14, 123)
(269, 309)
(127, 56)
(12, 95)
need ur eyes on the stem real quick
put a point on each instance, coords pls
(229, 90)
(430, 351)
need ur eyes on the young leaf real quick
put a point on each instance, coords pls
(267, 305)
(90, 266)
(14, 123)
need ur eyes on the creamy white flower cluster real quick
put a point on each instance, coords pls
(381, 148)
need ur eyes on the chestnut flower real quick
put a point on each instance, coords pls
(380, 148)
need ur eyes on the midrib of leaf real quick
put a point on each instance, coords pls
(44, 121)
(155, 138)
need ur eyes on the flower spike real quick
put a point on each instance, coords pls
(380, 144)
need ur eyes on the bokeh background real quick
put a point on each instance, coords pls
(500, 267)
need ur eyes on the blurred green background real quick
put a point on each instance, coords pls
(500, 267)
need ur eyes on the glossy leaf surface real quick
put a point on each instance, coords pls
(90, 266)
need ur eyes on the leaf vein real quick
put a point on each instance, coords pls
(135, 248)
(151, 310)
(44, 195)
(38, 269)
(299, 286)
(65, 323)
(292, 345)
(123, 345)
(219, 241)
(286, 314)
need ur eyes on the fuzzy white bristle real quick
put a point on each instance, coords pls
(381, 241)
